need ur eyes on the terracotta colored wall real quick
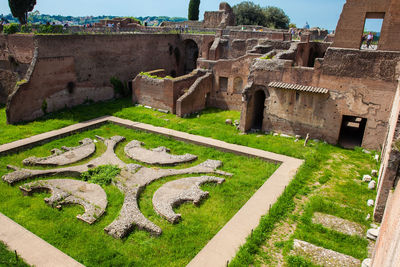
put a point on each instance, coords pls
(89, 61)
(387, 247)
(161, 93)
(351, 23)
(361, 84)
(16, 53)
(196, 98)
(390, 159)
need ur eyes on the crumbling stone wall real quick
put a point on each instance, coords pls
(387, 247)
(162, 93)
(195, 99)
(355, 89)
(16, 52)
(351, 24)
(219, 19)
(72, 69)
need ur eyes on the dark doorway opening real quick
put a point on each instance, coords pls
(352, 131)
(258, 109)
(191, 55)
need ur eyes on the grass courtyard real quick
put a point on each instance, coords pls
(328, 182)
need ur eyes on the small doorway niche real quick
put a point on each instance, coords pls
(258, 109)
(352, 131)
(372, 30)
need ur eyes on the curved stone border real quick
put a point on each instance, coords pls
(69, 156)
(174, 193)
(224, 245)
(67, 191)
(159, 155)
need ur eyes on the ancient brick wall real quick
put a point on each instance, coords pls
(16, 53)
(161, 93)
(360, 85)
(387, 248)
(351, 23)
(92, 61)
(195, 99)
(390, 159)
(230, 78)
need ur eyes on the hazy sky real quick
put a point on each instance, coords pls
(322, 13)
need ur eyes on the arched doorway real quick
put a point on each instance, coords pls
(191, 55)
(258, 109)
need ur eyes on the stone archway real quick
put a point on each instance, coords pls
(191, 55)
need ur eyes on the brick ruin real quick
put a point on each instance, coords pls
(333, 91)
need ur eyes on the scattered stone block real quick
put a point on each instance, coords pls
(374, 173)
(373, 233)
(368, 217)
(148, 107)
(367, 178)
(228, 121)
(163, 111)
(370, 202)
(298, 136)
(323, 256)
(376, 157)
(285, 135)
(372, 185)
(366, 263)
(276, 134)
(366, 151)
(306, 140)
(338, 224)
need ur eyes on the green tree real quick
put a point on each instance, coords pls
(276, 18)
(193, 13)
(248, 13)
(20, 9)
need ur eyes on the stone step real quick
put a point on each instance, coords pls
(338, 224)
(323, 256)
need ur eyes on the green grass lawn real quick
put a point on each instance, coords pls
(329, 172)
(8, 258)
(178, 244)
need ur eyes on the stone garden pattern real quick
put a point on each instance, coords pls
(133, 178)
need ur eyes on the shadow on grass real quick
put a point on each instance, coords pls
(86, 111)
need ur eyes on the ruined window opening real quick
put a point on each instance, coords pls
(352, 131)
(223, 84)
(237, 85)
(297, 96)
(372, 30)
(191, 55)
(258, 109)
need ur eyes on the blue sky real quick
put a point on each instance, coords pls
(322, 13)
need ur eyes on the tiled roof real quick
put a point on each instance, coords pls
(298, 87)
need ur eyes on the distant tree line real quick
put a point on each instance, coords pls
(37, 18)
(248, 13)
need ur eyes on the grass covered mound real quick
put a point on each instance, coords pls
(178, 244)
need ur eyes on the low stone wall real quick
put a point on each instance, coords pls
(162, 93)
(196, 98)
